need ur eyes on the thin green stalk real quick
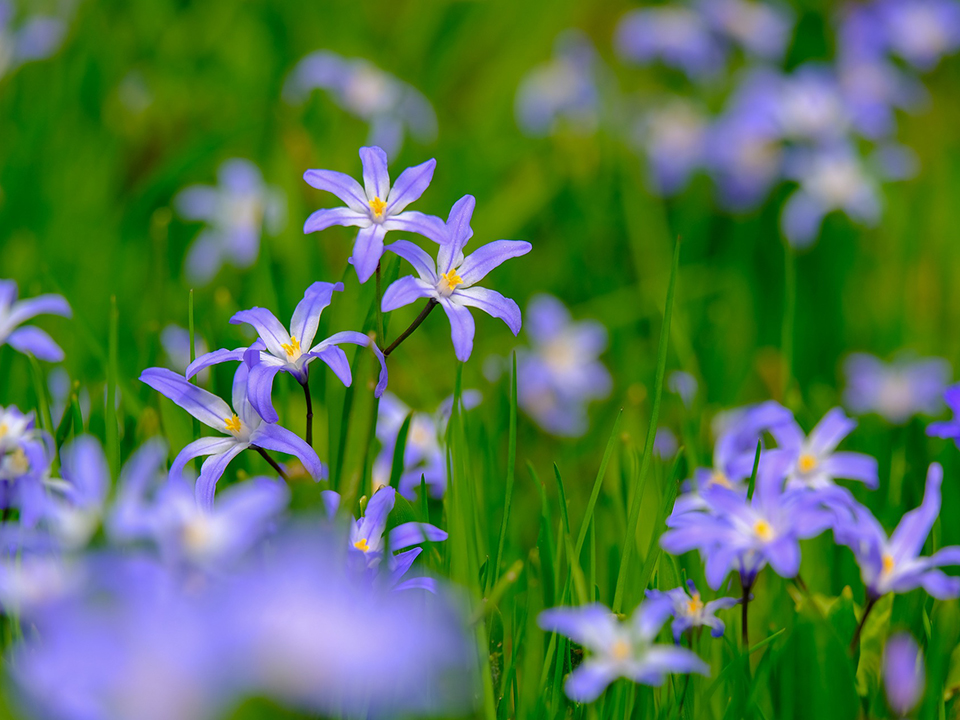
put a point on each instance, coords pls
(511, 471)
(595, 493)
(789, 315)
(110, 416)
(381, 338)
(309, 402)
(634, 517)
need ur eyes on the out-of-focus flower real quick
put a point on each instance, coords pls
(241, 425)
(376, 208)
(292, 352)
(619, 649)
(561, 373)
(562, 92)
(814, 461)
(762, 29)
(665, 443)
(424, 455)
(391, 106)
(673, 137)
(810, 106)
(689, 610)
(36, 38)
(894, 564)
(904, 673)
(683, 384)
(898, 390)
(676, 35)
(176, 344)
(236, 212)
(29, 339)
(921, 31)
(76, 509)
(951, 428)
(450, 280)
(26, 454)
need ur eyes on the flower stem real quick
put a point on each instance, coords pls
(871, 601)
(744, 613)
(431, 304)
(381, 337)
(273, 463)
(306, 396)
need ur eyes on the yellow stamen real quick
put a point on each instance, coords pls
(452, 279)
(695, 604)
(888, 564)
(718, 478)
(763, 530)
(620, 650)
(3, 430)
(293, 348)
(807, 463)
(361, 544)
(378, 206)
(233, 423)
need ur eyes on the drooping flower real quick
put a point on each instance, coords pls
(560, 374)
(904, 673)
(292, 352)
(894, 564)
(450, 280)
(619, 649)
(241, 425)
(236, 212)
(29, 339)
(898, 390)
(815, 461)
(376, 208)
(949, 429)
(689, 610)
(390, 106)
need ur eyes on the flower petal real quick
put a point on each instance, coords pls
(484, 259)
(273, 334)
(214, 358)
(41, 305)
(367, 251)
(341, 185)
(405, 291)
(306, 316)
(199, 448)
(204, 406)
(458, 232)
(376, 178)
(828, 433)
(328, 217)
(908, 539)
(421, 261)
(260, 390)
(462, 328)
(210, 473)
(33, 340)
(414, 533)
(274, 437)
(410, 186)
(492, 303)
(429, 226)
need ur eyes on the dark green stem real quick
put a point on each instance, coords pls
(871, 601)
(413, 326)
(273, 463)
(306, 396)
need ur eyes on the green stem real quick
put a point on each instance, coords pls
(789, 315)
(381, 337)
(413, 326)
(273, 463)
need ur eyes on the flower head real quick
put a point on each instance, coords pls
(904, 674)
(898, 390)
(29, 339)
(951, 428)
(690, 611)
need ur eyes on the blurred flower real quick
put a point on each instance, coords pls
(676, 35)
(894, 564)
(292, 352)
(813, 460)
(26, 454)
(951, 428)
(563, 91)
(36, 38)
(375, 208)
(619, 649)
(810, 106)
(76, 507)
(176, 344)
(904, 674)
(450, 280)
(236, 211)
(683, 384)
(61, 389)
(898, 390)
(921, 31)
(390, 106)
(424, 455)
(760, 28)
(665, 443)
(29, 339)
(689, 610)
(241, 425)
(561, 373)
(673, 137)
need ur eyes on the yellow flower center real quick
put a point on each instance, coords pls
(451, 279)
(4, 429)
(18, 462)
(718, 478)
(763, 530)
(620, 650)
(888, 564)
(361, 544)
(695, 604)
(233, 423)
(378, 206)
(292, 349)
(807, 463)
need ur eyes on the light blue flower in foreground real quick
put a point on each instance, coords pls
(241, 427)
(815, 462)
(451, 280)
(619, 649)
(894, 564)
(29, 339)
(689, 610)
(236, 212)
(897, 390)
(391, 106)
(278, 350)
(904, 673)
(949, 429)
(376, 208)
(561, 373)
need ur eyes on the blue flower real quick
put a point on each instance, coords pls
(920, 31)
(689, 610)
(376, 208)
(29, 339)
(450, 280)
(37, 38)
(949, 429)
(235, 212)
(904, 673)
(619, 649)
(278, 350)
(683, 384)
(678, 36)
(897, 390)
(26, 454)
(241, 427)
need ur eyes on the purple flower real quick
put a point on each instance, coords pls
(904, 674)
(242, 427)
(951, 428)
(894, 564)
(235, 212)
(450, 281)
(176, 344)
(75, 509)
(814, 462)
(673, 135)
(375, 208)
(562, 92)
(683, 384)
(290, 352)
(29, 339)
(921, 31)
(761, 29)
(26, 454)
(391, 106)
(676, 35)
(37, 38)
(898, 390)
(619, 649)
(689, 610)
(665, 443)
(561, 373)
(810, 106)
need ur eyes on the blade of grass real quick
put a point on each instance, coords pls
(669, 495)
(511, 470)
(595, 493)
(111, 421)
(399, 450)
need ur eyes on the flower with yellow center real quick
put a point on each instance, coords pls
(378, 207)
(449, 282)
(233, 424)
(888, 564)
(763, 530)
(4, 429)
(362, 545)
(719, 478)
(292, 349)
(807, 463)
(620, 650)
(695, 604)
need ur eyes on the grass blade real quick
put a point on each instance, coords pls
(595, 493)
(511, 471)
